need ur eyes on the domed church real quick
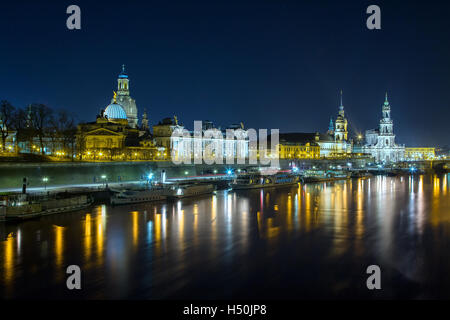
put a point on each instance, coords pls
(115, 112)
(115, 136)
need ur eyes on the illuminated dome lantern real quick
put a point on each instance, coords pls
(115, 111)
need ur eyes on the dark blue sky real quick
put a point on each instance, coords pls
(271, 64)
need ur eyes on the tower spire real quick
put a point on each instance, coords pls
(123, 68)
(341, 107)
(386, 100)
(331, 126)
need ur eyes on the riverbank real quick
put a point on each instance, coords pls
(44, 174)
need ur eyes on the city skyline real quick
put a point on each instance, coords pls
(291, 64)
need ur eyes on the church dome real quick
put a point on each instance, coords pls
(115, 111)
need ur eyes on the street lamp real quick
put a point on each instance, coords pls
(45, 180)
(104, 180)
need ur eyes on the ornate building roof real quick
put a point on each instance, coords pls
(115, 111)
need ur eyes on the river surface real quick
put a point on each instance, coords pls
(306, 241)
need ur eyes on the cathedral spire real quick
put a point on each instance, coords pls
(331, 125)
(341, 107)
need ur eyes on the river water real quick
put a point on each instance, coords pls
(306, 241)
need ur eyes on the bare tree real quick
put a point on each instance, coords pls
(63, 124)
(40, 118)
(19, 124)
(6, 118)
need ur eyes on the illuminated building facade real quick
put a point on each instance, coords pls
(112, 137)
(292, 150)
(415, 153)
(182, 144)
(381, 144)
(163, 130)
(298, 146)
(335, 142)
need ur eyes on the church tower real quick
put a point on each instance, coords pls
(125, 100)
(385, 149)
(123, 83)
(331, 127)
(386, 137)
(145, 121)
(340, 133)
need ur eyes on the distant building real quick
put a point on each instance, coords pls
(372, 136)
(298, 146)
(358, 144)
(163, 130)
(333, 143)
(182, 144)
(443, 152)
(113, 137)
(417, 153)
(10, 141)
(207, 124)
(381, 144)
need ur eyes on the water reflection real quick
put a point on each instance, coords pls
(141, 249)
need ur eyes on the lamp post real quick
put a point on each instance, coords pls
(105, 181)
(45, 180)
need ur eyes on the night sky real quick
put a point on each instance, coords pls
(270, 64)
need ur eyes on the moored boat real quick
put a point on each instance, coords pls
(322, 176)
(22, 207)
(360, 175)
(137, 196)
(178, 191)
(258, 180)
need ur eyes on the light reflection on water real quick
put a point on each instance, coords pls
(311, 240)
